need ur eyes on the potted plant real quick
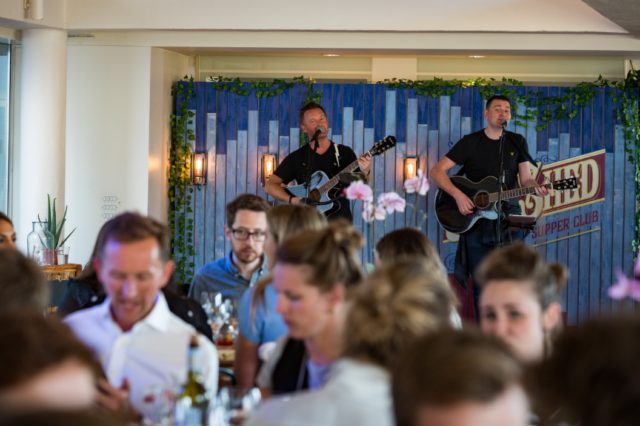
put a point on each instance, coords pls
(55, 229)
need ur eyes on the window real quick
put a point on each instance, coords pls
(5, 108)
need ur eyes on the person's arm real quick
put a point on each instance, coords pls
(246, 363)
(273, 187)
(439, 175)
(526, 180)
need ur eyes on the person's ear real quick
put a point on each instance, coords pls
(227, 233)
(96, 265)
(167, 270)
(304, 128)
(336, 296)
(485, 113)
(551, 316)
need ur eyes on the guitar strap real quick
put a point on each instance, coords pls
(335, 146)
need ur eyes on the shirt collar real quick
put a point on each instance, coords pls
(158, 318)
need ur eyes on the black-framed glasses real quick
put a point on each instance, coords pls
(242, 235)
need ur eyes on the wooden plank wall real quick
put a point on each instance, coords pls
(237, 130)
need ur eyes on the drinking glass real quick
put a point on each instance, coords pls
(237, 404)
(211, 304)
(161, 402)
(63, 255)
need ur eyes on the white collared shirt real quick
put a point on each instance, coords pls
(153, 352)
(357, 393)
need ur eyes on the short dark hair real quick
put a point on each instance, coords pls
(593, 374)
(5, 218)
(246, 202)
(132, 227)
(451, 367)
(406, 243)
(22, 285)
(308, 107)
(32, 344)
(497, 98)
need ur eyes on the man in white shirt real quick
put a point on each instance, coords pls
(137, 340)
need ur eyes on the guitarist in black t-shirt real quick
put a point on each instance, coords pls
(479, 154)
(329, 158)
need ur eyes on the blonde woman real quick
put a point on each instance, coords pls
(394, 307)
(258, 321)
(520, 300)
(409, 243)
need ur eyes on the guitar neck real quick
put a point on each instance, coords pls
(515, 193)
(334, 180)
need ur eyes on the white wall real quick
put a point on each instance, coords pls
(13, 14)
(336, 15)
(166, 68)
(108, 124)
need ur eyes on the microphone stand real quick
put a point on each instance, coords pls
(310, 159)
(497, 233)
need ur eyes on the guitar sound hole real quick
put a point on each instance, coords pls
(482, 200)
(315, 195)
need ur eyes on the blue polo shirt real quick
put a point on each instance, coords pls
(223, 276)
(267, 325)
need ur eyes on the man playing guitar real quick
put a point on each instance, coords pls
(329, 158)
(479, 154)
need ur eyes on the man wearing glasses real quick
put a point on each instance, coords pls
(246, 230)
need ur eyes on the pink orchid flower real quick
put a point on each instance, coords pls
(625, 287)
(419, 184)
(359, 190)
(371, 212)
(392, 202)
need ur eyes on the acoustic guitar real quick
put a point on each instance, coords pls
(323, 189)
(484, 195)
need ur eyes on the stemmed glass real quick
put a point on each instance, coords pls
(236, 404)
(211, 303)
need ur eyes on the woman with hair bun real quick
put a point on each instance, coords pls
(314, 275)
(394, 307)
(520, 300)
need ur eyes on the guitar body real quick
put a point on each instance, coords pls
(317, 180)
(449, 215)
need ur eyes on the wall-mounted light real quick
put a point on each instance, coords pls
(199, 169)
(269, 163)
(35, 8)
(410, 167)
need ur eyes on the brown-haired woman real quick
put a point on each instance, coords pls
(520, 299)
(409, 243)
(7, 233)
(394, 307)
(314, 275)
(258, 321)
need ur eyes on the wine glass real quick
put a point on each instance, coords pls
(161, 402)
(237, 403)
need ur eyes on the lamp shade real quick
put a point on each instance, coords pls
(410, 167)
(199, 169)
(269, 163)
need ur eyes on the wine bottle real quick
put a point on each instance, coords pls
(192, 401)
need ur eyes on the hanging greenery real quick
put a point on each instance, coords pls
(540, 109)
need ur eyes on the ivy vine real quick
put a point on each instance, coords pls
(541, 109)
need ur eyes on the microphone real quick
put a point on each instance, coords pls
(505, 122)
(318, 132)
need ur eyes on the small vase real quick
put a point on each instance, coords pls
(40, 244)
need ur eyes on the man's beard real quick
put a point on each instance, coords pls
(247, 255)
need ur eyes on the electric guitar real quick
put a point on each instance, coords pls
(322, 188)
(484, 195)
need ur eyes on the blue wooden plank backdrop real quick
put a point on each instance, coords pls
(236, 130)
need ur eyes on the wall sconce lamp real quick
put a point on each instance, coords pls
(35, 8)
(410, 167)
(199, 169)
(269, 163)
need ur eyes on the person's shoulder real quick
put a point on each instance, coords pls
(212, 267)
(475, 136)
(85, 316)
(298, 153)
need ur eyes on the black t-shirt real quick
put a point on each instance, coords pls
(294, 166)
(480, 156)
